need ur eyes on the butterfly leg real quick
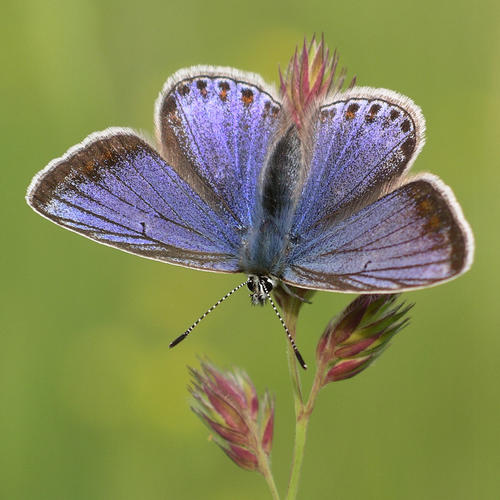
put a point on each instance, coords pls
(290, 292)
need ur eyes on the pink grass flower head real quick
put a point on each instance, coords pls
(228, 404)
(310, 77)
(353, 340)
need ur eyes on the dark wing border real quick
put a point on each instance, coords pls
(394, 98)
(54, 164)
(199, 71)
(456, 213)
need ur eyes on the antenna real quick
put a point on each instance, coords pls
(180, 338)
(289, 335)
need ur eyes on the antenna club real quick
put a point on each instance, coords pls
(287, 331)
(180, 338)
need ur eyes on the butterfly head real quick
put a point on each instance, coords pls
(261, 287)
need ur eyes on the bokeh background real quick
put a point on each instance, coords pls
(93, 403)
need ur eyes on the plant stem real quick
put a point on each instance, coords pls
(268, 476)
(298, 456)
(291, 306)
(301, 424)
(295, 380)
(264, 466)
(309, 406)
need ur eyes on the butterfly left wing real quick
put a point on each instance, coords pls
(117, 190)
(193, 204)
(415, 236)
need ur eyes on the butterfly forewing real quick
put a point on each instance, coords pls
(114, 188)
(215, 126)
(415, 236)
(362, 143)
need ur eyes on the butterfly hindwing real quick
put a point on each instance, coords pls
(413, 237)
(115, 189)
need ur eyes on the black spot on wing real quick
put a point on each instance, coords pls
(183, 89)
(247, 97)
(202, 87)
(352, 109)
(224, 89)
(372, 113)
(405, 126)
(170, 105)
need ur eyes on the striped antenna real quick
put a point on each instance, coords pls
(180, 338)
(288, 334)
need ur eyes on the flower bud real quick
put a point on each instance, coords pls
(354, 339)
(229, 406)
(309, 78)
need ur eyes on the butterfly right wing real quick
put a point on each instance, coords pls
(355, 230)
(117, 190)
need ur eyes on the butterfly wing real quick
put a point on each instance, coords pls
(115, 189)
(355, 229)
(215, 126)
(415, 236)
(361, 145)
(190, 206)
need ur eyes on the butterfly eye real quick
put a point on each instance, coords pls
(251, 285)
(267, 284)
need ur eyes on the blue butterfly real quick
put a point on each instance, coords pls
(307, 189)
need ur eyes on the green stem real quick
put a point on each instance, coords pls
(295, 380)
(291, 306)
(268, 476)
(302, 422)
(311, 401)
(264, 466)
(298, 456)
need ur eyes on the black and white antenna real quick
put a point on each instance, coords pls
(265, 286)
(180, 338)
(299, 357)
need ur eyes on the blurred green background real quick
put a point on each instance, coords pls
(93, 403)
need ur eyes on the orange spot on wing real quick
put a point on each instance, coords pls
(370, 117)
(351, 111)
(433, 223)
(247, 97)
(224, 87)
(424, 206)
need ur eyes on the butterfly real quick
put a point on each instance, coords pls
(306, 189)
